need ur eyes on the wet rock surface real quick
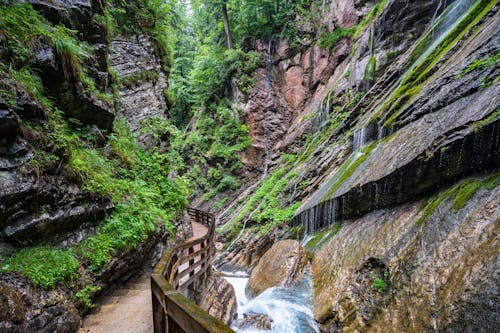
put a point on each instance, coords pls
(143, 81)
(447, 131)
(27, 309)
(385, 272)
(245, 253)
(254, 320)
(282, 265)
(218, 298)
(35, 209)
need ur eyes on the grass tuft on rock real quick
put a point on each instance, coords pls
(43, 266)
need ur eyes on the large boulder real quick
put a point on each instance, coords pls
(218, 298)
(283, 264)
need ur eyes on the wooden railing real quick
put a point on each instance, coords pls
(182, 267)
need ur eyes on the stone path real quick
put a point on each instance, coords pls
(128, 309)
(125, 310)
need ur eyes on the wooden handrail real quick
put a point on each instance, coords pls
(180, 268)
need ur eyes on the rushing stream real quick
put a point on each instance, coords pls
(290, 309)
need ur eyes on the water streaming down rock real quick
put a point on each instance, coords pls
(270, 103)
(323, 113)
(444, 23)
(359, 139)
(290, 309)
(319, 211)
(371, 65)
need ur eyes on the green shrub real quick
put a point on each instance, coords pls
(329, 39)
(84, 296)
(71, 52)
(43, 266)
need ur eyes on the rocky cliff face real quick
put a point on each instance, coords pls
(36, 207)
(143, 88)
(217, 297)
(402, 110)
(43, 202)
(387, 272)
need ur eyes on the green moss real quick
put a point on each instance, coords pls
(391, 54)
(413, 82)
(347, 169)
(220, 203)
(369, 17)
(43, 266)
(467, 189)
(464, 193)
(460, 194)
(379, 285)
(480, 64)
(264, 205)
(370, 68)
(140, 76)
(431, 207)
(297, 232)
(322, 237)
(329, 39)
(480, 124)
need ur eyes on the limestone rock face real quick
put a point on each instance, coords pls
(49, 204)
(386, 273)
(245, 253)
(143, 81)
(218, 299)
(283, 264)
(21, 309)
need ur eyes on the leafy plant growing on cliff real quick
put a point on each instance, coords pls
(84, 296)
(139, 185)
(24, 28)
(379, 285)
(330, 39)
(43, 266)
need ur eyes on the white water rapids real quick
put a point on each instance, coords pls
(290, 309)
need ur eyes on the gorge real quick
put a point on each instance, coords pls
(348, 149)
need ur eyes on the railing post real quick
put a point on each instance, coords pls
(172, 312)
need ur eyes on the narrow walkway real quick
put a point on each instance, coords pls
(199, 230)
(128, 309)
(125, 310)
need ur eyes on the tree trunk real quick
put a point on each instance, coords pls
(227, 28)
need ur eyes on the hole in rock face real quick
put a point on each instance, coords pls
(370, 288)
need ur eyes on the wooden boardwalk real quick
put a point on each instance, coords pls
(128, 309)
(199, 230)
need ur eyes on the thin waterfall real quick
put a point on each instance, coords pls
(359, 139)
(323, 113)
(270, 103)
(319, 213)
